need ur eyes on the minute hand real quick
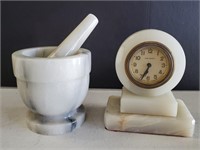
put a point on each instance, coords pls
(146, 71)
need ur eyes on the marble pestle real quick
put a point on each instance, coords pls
(76, 38)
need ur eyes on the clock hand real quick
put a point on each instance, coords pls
(146, 71)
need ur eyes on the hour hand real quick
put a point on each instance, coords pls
(144, 74)
(146, 71)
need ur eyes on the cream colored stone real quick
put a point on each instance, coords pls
(182, 125)
(163, 105)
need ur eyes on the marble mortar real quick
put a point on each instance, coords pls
(52, 88)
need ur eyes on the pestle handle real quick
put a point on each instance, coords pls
(76, 38)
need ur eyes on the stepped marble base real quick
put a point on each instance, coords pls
(56, 125)
(181, 125)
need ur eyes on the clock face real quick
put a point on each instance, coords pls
(149, 65)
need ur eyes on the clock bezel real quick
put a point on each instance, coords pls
(165, 50)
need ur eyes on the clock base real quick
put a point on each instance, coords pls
(181, 125)
(163, 105)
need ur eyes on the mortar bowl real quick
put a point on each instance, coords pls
(52, 88)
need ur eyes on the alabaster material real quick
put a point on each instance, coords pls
(181, 125)
(51, 87)
(163, 105)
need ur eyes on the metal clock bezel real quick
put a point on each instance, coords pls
(166, 51)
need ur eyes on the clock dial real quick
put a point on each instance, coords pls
(149, 64)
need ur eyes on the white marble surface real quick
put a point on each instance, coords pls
(48, 85)
(92, 135)
(56, 125)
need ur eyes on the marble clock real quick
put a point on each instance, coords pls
(149, 64)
